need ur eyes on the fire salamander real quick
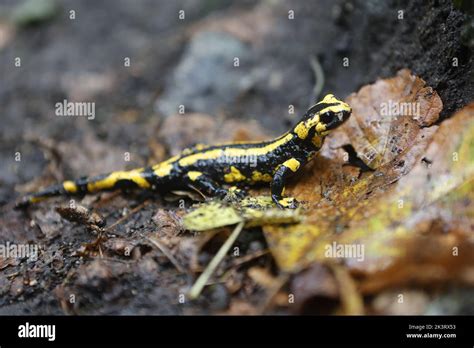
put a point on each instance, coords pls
(209, 168)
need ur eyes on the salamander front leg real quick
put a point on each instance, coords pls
(283, 172)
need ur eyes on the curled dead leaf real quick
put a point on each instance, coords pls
(335, 198)
(387, 116)
(380, 229)
(254, 211)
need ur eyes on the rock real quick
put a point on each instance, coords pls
(406, 302)
(454, 302)
(34, 12)
(206, 78)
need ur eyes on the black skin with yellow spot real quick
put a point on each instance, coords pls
(209, 169)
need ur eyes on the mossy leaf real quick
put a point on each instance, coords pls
(255, 211)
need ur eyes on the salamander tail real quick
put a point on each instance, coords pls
(115, 180)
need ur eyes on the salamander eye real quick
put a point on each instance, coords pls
(326, 118)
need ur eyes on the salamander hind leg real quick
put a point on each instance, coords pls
(206, 185)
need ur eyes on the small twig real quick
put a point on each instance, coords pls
(319, 77)
(100, 252)
(123, 218)
(198, 191)
(109, 259)
(211, 267)
(164, 249)
(103, 200)
(247, 258)
(201, 242)
(14, 274)
(240, 261)
(71, 273)
(279, 282)
(351, 299)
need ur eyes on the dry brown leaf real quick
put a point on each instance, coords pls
(262, 277)
(417, 231)
(352, 303)
(240, 307)
(414, 302)
(388, 115)
(336, 197)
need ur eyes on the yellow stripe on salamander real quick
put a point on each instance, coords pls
(164, 168)
(37, 199)
(194, 175)
(336, 108)
(109, 181)
(234, 176)
(234, 152)
(293, 164)
(302, 128)
(70, 186)
(258, 176)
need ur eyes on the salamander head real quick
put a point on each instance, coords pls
(324, 116)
